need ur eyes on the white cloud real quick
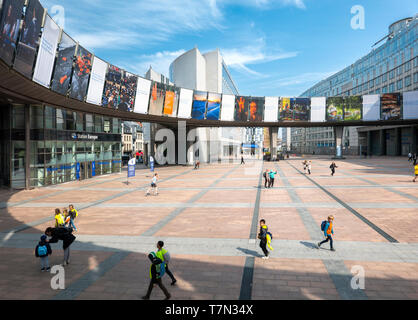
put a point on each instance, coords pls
(297, 80)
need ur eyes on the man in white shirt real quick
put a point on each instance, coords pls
(153, 185)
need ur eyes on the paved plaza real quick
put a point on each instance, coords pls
(208, 219)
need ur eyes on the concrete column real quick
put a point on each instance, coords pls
(382, 141)
(369, 143)
(27, 146)
(273, 141)
(338, 141)
(398, 143)
(414, 139)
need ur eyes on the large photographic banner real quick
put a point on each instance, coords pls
(371, 107)
(142, 95)
(46, 54)
(214, 106)
(228, 107)
(110, 98)
(271, 109)
(127, 92)
(352, 108)
(335, 109)
(286, 109)
(11, 15)
(171, 102)
(97, 81)
(64, 64)
(391, 106)
(318, 106)
(156, 100)
(256, 109)
(29, 38)
(185, 104)
(81, 74)
(302, 109)
(410, 105)
(199, 104)
(241, 108)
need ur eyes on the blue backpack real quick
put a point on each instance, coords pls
(42, 251)
(160, 268)
(323, 225)
(271, 236)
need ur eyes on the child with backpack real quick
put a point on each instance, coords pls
(59, 219)
(328, 228)
(42, 251)
(265, 238)
(73, 213)
(156, 272)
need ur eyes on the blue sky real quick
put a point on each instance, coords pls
(272, 47)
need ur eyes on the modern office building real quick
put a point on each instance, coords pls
(208, 72)
(45, 145)
(388, 68)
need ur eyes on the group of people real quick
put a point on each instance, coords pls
(269, 178)
(63, 230)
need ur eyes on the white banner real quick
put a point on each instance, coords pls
(371, 107)
(410, 105)
(46, 54)
(271, 109)
(228, 107)
(185, 104)
(318, 105)
(97, 81)
(142, 95)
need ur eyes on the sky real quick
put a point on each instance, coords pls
(271, 47)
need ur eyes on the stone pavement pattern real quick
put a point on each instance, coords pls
(208, 219)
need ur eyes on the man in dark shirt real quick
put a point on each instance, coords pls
(155, 275)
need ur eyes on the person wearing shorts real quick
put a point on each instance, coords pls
(154, 186)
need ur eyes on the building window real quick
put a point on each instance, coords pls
(399, 71)
(407, 81)
(407, 66)
(392, 74)
(385, 89)
(98, 123)
(416, 77)
(79, 121)
(36, 117)
(50, 118)
(384, 77)
(70, 120)
(392, 87)
(399, 85)
(89, 122)
(60, 119)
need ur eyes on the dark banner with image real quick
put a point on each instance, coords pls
(64, 65)
(214, 106)
(111, 92)
(286, 109)
(302, 109)
(256, 109)
(353, 107)
(335, 109)
(156, 100)
(11, 14)
(81, 74)
(241, 108)
(199, 104)
(29, 38)
(391, 106)
(128, 92)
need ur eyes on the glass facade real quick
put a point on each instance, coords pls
(63, 145)
(228, 85)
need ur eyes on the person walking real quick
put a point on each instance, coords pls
(154, 186)
(409, 156)
(309, 167)
(164, 255)
(262, 235)
(266, 178)
(416, 173)
(59, 219)
(242, 160)
(42, 251)
(332, 167)
(328, 228)
(272, 174)
(67, 238)
(305, 164)
(73, 213)
(197, 164)
(156, 272)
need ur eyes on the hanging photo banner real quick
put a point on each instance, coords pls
(127, 92)
(97, 80)
(352, 108)
(185, 105)
(81, 74)
(302, 109)
(142, 95)
(110, 98)
(46, 54)
(318, 106)
(214, 106)
(156, 100)
(241, 108)
(371, 107)
(335, 109)
(271, 109)
(410, 105)
(171, 102)
(228, 107)
(199, 104)
(391, 106)
(256, 109)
